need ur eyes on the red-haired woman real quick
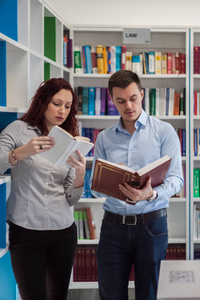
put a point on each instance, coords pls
(42, 232)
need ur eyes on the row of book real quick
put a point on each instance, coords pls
(196, 142)
(86, 229)
(196, 219)
(85, 264)
(163, 101)
(196, 182)
(101, 59)
(156, 62)
(95, 101)
(176, 252)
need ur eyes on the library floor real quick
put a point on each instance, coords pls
(92, 294)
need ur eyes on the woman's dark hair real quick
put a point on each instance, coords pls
(47, 89)
(122, 79)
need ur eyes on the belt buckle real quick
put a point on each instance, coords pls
(124, 220)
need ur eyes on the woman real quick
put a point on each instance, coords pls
(42, 232)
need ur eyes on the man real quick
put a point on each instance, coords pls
(135, 233)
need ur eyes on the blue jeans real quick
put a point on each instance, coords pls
(120, 246)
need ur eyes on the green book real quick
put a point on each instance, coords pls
(86, 226)
(196, 178)
(50, 37)
(153, 102)
(47, 71)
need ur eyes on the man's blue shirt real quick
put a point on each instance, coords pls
(151, 140)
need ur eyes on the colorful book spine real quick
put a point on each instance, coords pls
(98, 101)
(94, 60)
(78, 60)
(123, 57)
(157, 62)
(151, 62)
(88, 60)
(118, 54)
(196, 182)
(110, 105)
(113, 59)
(85, 101)
(100, 69)
(69, 53)
(103, 101)
(91, 101)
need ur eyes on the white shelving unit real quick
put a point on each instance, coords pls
(194, 123)
(22, 65)
(164, 40)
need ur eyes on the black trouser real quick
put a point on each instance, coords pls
(42, 261)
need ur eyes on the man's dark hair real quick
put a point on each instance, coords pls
(122, 79)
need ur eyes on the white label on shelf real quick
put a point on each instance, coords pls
(136, 36)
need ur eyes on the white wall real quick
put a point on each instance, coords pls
(129, 12)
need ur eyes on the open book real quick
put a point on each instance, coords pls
(107, 176)
(66, 145)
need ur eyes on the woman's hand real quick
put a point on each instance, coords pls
(80, 166)
(34, 146)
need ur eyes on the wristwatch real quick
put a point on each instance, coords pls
(153, 197)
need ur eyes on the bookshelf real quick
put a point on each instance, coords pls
(164, 40)
(194, 124)
(24, 65)
(22, 68)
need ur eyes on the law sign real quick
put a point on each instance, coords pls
(136, 36)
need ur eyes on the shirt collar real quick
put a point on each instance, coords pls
(142, 120)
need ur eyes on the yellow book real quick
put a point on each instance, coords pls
(105, 61)
(157, 62)
(164, 63)
(100, 69)
(128, 60)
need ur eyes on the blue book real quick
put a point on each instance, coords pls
(183, 142)
(167, 102)
(110, 105)
(195, 142)
(118, 57)
(91, 101)
(88, 60)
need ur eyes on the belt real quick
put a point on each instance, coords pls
(134, 219)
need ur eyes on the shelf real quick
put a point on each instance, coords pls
(92, 285)
(92, 200)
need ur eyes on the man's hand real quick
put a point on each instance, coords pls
(136, 195)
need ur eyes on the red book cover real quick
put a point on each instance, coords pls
(180, 135)
(107, 176)
(88, 265)
(176, 108)
(123, 57)
(182, 63)
(195, 103)
(169, 63)
(196, 59)
(177, 62)
(173, 63)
